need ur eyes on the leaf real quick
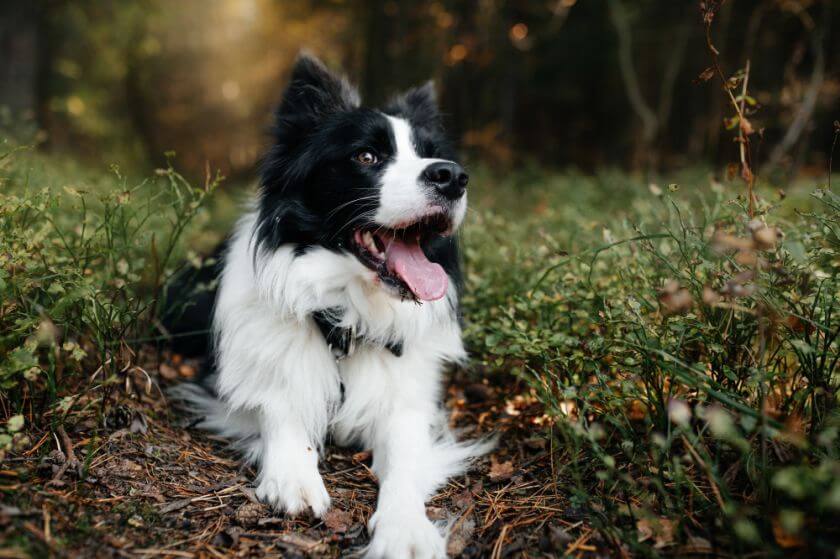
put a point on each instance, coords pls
(168, 372)
(500, 471)
(72, 191)
(122, 266)
(660, 530)
(731, 123)
(15, 423)
(675, 299)
(361, 456)
(785, 538)
(706, 74)
(460, 536)
(747, 127)
(339, 521)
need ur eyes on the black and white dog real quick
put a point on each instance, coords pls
(337, 306)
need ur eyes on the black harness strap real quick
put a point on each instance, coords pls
(342, 341)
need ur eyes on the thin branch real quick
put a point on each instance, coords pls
(744, 128)
(621, 22)
(809, 101)
(672, 70)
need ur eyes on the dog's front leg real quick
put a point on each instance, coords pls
(403, 458)
(289, 478)
(407, 459)
(291, 386)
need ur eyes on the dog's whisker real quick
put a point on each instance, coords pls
(351, 202)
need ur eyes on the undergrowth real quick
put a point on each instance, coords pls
(83, 258)
(686, 355)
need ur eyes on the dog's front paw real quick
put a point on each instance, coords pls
(409, 536)
(293, 490)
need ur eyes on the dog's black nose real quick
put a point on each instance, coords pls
(448, 178)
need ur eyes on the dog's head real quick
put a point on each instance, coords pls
(380, 184)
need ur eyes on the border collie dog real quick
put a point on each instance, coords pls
(337, 307)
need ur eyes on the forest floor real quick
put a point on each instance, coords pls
(147, 484)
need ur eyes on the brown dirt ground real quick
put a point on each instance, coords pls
(142, 483)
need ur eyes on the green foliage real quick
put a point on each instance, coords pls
(686, 357)
(82, 263)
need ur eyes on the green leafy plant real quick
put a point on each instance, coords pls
(82, 264)
(686, 355)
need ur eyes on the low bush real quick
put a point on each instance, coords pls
(83, 257)
(686, 355)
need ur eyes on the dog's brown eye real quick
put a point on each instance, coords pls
(366, 158)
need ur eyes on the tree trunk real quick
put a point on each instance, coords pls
(650, 123)
(19, 56)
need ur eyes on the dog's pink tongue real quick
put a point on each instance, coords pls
(427, 280)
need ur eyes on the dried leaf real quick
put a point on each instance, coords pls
(675, 300)
(660, 530)
(724, 241)
(706, 74)
(500, 471)
(436, 514)
(785, 539)
(460, 536)
(339, 521)
(638, 411)
(305, 543)
(168, 372)
(710, 296)
(747, 127)
(695, 546)
(463, 500)
(186, 371)
(362, 456)
(746, 257)
(765, 238)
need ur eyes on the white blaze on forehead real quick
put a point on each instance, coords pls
(403, 138)
(403, 195)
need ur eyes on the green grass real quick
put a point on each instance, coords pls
(687, 358)
(691, 387)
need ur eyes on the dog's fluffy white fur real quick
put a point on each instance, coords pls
(280, 388)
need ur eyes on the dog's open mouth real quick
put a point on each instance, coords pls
(397, 256)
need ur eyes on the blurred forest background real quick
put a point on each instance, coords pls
(662, 361)
(560, 83)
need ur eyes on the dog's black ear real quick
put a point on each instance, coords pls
(419, 105)
(316, 91)
(313, 93)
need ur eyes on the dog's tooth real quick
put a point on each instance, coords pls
(368, 240)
